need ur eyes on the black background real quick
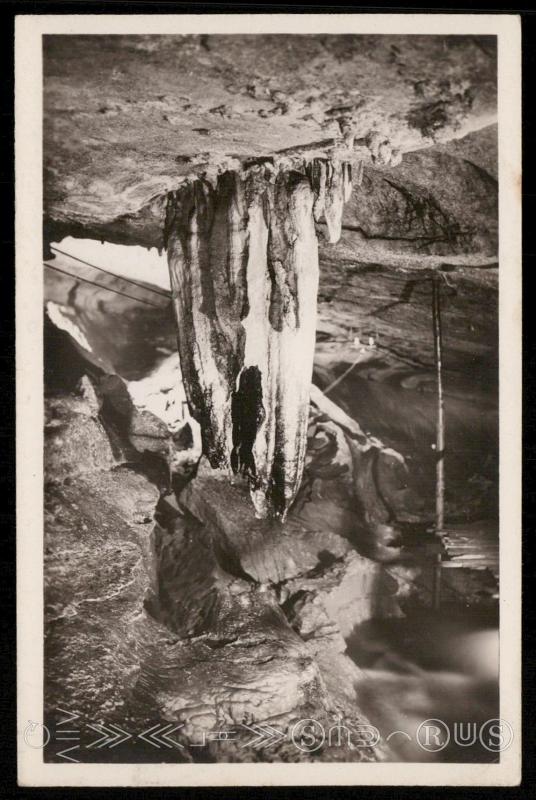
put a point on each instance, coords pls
(8, 737)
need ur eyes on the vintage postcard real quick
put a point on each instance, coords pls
(269, 391)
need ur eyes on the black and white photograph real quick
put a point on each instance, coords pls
(270, 327)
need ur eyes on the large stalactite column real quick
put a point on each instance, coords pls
(243, 260)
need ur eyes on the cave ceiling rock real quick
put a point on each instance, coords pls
(126, 116)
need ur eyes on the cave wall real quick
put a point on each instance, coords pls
(224, 616)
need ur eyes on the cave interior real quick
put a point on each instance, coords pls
(242, 240)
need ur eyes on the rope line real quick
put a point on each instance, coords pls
(101, 286)
(162, 292)
(338, 380)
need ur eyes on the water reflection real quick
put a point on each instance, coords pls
(423, 668)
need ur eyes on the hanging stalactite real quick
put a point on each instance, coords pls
(331, 182)
(243, 259)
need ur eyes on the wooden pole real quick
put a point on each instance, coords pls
(440, 440)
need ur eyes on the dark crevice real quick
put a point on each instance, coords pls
(248, 414)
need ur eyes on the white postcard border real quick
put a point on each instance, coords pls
(29, 320)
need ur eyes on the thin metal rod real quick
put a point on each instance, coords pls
(440, 430)
(440, 443)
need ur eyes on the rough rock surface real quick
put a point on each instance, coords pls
(127, 116)
(266, 551)
(432, 203)
(179, 620)
(98, 522)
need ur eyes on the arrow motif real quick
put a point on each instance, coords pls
(168, 733)
(69, 718)
(123, 736)
(160, 735)
(68, 734)
(111, 736)
(266, 736)
(68, 750)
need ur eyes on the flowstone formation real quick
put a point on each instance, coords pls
(243, 259)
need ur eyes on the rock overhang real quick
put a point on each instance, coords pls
(126, 117)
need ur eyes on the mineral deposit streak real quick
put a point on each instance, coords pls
(243, 258)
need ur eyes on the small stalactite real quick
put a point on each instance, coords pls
(243, 259)
(332, 185)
